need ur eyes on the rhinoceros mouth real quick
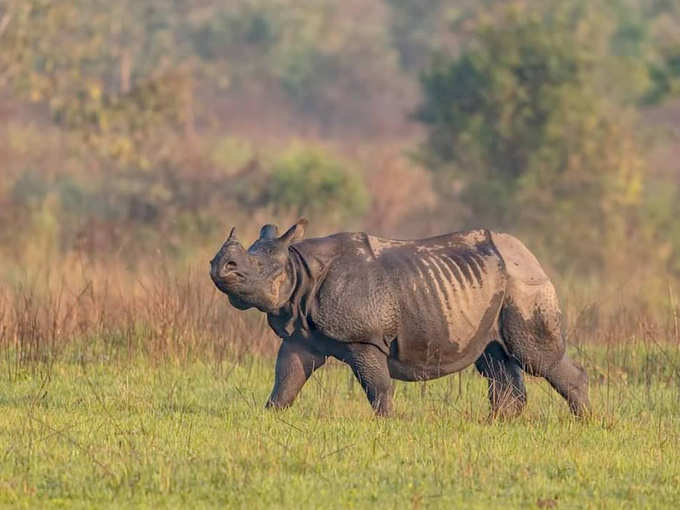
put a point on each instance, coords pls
(231, 274)
(229, 279)
(229, 285)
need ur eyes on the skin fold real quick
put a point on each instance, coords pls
(408, 310)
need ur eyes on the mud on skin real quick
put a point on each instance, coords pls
(409, 310)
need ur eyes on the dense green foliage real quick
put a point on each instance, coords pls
(532, 127)
(111, 434)
(311, 182)
(519, 122)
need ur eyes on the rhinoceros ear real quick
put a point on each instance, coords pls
(232, 235)
(269, 232)
(295, 233)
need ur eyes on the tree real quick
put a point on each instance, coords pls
(311, 181)
(110, 72)
(521, 132)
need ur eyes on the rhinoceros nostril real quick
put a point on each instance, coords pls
(228, 268)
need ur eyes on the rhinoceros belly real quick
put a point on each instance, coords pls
(449, 294)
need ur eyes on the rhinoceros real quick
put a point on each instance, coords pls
(407, 310)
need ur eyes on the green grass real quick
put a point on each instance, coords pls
(142, 434)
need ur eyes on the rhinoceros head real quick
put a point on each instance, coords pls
(256, 277)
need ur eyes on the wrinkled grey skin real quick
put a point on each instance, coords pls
(408, 310)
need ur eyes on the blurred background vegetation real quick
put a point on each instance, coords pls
(132, 134)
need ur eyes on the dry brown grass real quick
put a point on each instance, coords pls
(84, 311)
(107, 312)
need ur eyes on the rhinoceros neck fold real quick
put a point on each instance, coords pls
(293, 314)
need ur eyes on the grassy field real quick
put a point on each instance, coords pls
(104, 433)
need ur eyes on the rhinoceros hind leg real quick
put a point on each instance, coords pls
(530, 325)
(507, 393)
(570, 381)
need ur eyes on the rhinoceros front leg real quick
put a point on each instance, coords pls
(294, 364)
(369, 365)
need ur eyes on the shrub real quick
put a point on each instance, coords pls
(311, 181)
